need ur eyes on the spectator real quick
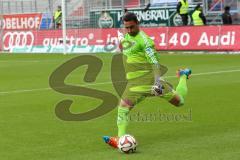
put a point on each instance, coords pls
(58, 17)
(226, 16)
(182, 10)
(198, 17)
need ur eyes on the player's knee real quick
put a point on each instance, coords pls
(126, 103)
(177, 101)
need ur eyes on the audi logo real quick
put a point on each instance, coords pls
(17, 39)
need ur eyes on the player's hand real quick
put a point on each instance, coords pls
(157, 88)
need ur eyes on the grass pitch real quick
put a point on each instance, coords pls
(206, 127)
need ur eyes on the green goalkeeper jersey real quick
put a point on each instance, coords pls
(140, 53)
(140, 49)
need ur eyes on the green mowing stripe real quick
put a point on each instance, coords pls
(103, 83)
(29, 128)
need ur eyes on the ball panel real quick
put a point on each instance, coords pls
(127, 144)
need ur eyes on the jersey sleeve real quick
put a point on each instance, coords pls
(150, 52)
(151, 55)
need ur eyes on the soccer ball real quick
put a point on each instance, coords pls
(127, 144)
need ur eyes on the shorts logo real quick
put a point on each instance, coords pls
(17, 39)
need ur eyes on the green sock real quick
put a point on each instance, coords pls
(182, 87)
(122, 120)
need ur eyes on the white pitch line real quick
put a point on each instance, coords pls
(19, 61)
(217, 72)
(209, 73)
(24, 90)
(30, 61)
(102, 83)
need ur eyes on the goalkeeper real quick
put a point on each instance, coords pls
(143, 73)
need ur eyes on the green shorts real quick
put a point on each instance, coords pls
(139, 88)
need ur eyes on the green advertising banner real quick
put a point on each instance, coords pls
(152, 18)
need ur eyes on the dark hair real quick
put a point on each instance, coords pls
(227, 8)
(197, 7)
(130, 17)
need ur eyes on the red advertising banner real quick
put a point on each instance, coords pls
(193, 38)
(224, 38)
(159, 35)
(30, 21)
(230, 38)
(204, 38)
